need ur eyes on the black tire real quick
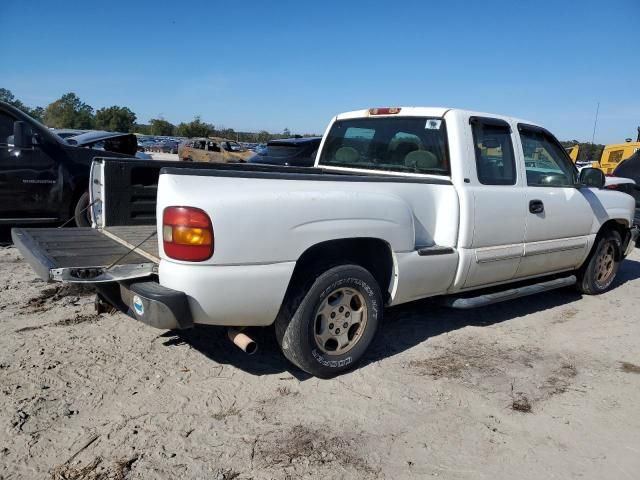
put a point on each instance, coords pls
(81, 212)
(600, 269)
(296, 326)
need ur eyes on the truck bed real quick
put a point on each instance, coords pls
(141, 236)
(89, 255)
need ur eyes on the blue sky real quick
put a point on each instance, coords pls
(270, 65)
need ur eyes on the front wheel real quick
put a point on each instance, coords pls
(600, 269)
(326, 330)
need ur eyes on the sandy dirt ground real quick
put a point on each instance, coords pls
(540, 388)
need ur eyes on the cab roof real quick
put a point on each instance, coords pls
(424, 112)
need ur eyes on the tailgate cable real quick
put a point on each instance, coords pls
(130, 251)
(81, 212)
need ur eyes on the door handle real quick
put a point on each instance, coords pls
(536, 206)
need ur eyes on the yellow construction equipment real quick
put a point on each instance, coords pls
(573, 152)
(612, 154)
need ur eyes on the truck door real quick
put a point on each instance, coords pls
(28, 179)
(495, 202)
(559, 216)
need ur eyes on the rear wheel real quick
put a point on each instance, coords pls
(81, 212)
(600, 269)
(326, 330)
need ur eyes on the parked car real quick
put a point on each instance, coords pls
(67, 132)
(630, 168)
(296, 152)
(407, 203)
(212, 149)
(43, 179)
(164, 146)
(114, 142)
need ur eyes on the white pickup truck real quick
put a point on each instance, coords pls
(402, 204)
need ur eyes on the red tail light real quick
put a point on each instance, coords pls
(384, 111)
(187, 234)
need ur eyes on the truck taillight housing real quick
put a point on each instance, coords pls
(187, 234)
(385, 111)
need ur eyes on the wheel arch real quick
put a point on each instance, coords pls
(617, 225)
(373, 254)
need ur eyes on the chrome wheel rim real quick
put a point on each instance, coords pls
(340, 321)
(605, 264)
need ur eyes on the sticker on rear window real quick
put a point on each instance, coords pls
(433, 124)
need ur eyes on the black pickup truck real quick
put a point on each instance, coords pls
(43, 179)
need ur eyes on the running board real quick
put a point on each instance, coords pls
(504, 295)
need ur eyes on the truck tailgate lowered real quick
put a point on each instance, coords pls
(81, 255)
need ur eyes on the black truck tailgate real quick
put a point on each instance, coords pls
(82, 255)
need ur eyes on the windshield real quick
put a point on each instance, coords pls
(400, 144)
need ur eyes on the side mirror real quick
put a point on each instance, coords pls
(591, 177)
(22, 135)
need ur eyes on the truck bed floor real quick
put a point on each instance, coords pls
(78, 247)
(132, 236)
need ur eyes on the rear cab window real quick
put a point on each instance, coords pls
(393, 144)
(495, 158)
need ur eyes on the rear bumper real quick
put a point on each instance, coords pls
(186, 294)
(230, 295)
(157, 306)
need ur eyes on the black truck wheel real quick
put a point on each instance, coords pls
(600, 269)
(326, 329)
(81, 211)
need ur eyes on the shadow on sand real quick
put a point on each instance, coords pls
(404, 327)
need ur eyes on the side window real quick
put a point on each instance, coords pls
(616, 156)
(546, 162)
(495, 160)
(6, 127)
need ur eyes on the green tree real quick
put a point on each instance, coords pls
(286, 132)
(115, 119)
(159, 126)
(195, 128)
(229, 133)
(37, 113)
(263, 136)
(7, 96)
(69, 112)
(590, 152)
(142, 129)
